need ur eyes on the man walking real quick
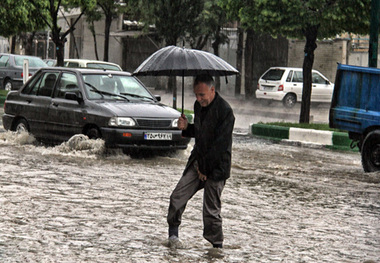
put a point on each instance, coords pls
(209, 164)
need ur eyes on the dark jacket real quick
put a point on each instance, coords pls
(213, 139)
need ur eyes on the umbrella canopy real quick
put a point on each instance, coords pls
(177, 61)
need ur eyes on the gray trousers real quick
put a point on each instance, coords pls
(187, 186)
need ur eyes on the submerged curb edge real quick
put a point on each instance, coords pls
(336, 140)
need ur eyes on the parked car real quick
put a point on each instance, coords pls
(85, 63)
(11, 69)
(286, 84)
(57, 103)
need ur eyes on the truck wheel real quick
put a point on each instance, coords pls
(371, 152)
(289, 100)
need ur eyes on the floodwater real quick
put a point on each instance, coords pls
(78, 202)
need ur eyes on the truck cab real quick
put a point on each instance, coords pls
(355, 107)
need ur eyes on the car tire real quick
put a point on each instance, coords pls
(289, 100)
(371, 152)
(21, 126)
(93, 133)
(8, 85)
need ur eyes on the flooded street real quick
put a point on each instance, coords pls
(78, 203)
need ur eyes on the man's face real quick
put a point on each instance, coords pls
(204, 94)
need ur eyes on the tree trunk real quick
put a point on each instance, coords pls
(92, 29)
(107, 36)
(311, 33)
(239, 60)
(249, 64)
(215, 46)
(60, 45)
(13, 45)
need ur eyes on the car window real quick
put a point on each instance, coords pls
(103, 66)
(290, 75)
(72, 65)
(273, 74)
(42, 85)
(67, 83)
(297, 76)
(98, 85)
(4, 61)
(33, 62)
(318, 79)
(47, 84)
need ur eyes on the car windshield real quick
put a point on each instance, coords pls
(274, 74)
(110, 86)
(103, 66)
(33, 62)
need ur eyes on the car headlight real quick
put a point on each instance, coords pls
(175, 123)
(121, 121)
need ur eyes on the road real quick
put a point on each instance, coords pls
(77, 202)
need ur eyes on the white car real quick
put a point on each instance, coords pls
(95, 64)
(285, 84)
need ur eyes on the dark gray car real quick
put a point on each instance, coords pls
(11, 69)
(57, 103)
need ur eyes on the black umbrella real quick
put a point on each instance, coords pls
(177, 61)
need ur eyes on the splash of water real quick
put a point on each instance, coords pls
(21, 138)
(82, 143)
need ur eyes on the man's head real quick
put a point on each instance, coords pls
(204, 89)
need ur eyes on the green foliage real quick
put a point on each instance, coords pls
(3, 93)
(290, 18)
(19, 16)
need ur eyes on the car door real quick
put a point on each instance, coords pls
(322, 89)
(66, 114)
(36, 97)
(294, 84)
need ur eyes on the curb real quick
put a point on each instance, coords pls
(330, 139)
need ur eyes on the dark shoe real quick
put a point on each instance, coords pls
(174, 242)
(217, 245)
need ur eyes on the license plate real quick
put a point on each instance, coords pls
(158, 136)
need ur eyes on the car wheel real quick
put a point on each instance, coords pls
(371, 152)
(93, 133)
(290, 100)
(8, 85)
(21, 126)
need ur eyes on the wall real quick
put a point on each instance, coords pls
(326, 56)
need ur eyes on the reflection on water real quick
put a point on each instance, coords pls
(79, 202)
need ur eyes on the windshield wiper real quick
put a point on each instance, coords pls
(136, 96)
(101, 92)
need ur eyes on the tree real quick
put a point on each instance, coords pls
(48, 11)
(172, 20)
(308, 19)
(24, 19)
(110, 8)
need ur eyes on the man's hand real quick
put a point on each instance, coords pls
(202, 177)
(182, 122)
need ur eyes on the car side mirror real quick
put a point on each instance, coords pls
(74, 96)
(158, 97)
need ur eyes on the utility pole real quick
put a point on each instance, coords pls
(374, 34)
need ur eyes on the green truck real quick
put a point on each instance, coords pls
(355, 107)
